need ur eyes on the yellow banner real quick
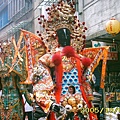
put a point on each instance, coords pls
(97, 54)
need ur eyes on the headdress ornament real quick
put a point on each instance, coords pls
(62, 15)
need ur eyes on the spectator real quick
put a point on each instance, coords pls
(28, 109)
(71, 90)
(97, 99)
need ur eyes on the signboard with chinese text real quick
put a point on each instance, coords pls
(113, 51)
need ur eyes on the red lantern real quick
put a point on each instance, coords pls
(113, 26)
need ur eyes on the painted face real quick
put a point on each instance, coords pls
(63, 37)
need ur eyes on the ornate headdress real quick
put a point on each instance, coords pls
(60, 16)
(5, 51)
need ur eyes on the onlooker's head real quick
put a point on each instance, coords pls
(71, 89)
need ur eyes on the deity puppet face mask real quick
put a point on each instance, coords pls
(63, 24)
(63, 37)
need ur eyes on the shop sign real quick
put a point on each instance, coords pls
(113, 50)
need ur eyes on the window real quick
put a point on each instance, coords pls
(28, 4)
(15, 6)
(1, 2)
(21, 4)
(4, 17)
(1, 22)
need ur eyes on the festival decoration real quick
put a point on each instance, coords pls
(66, 59)
(34, 48)
(62, 16)
(97, 54)
(56, 59)
(10, 57)
(63, 56)
(12, 72)
(86, 61)
(113, 26)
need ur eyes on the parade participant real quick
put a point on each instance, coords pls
(11, 104)
(28, 109)
(64, 39)
(97, 99)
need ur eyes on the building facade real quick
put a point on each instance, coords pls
(15, 14)
(96, 13)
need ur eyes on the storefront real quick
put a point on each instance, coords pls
(111, 91)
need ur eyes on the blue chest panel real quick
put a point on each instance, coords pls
(70, 78)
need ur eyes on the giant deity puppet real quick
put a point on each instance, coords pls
(59, 67)
(60, 78)
(12, 72)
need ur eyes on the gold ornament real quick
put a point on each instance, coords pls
(74, 109)
(72, 101)
(60, 16)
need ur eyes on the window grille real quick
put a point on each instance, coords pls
(15, 6)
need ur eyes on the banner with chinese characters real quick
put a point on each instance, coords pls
(33, 47)
(97, 54)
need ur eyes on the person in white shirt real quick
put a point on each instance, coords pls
(28, 109)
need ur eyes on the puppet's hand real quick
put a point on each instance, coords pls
(38, 113)
(57, 108)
